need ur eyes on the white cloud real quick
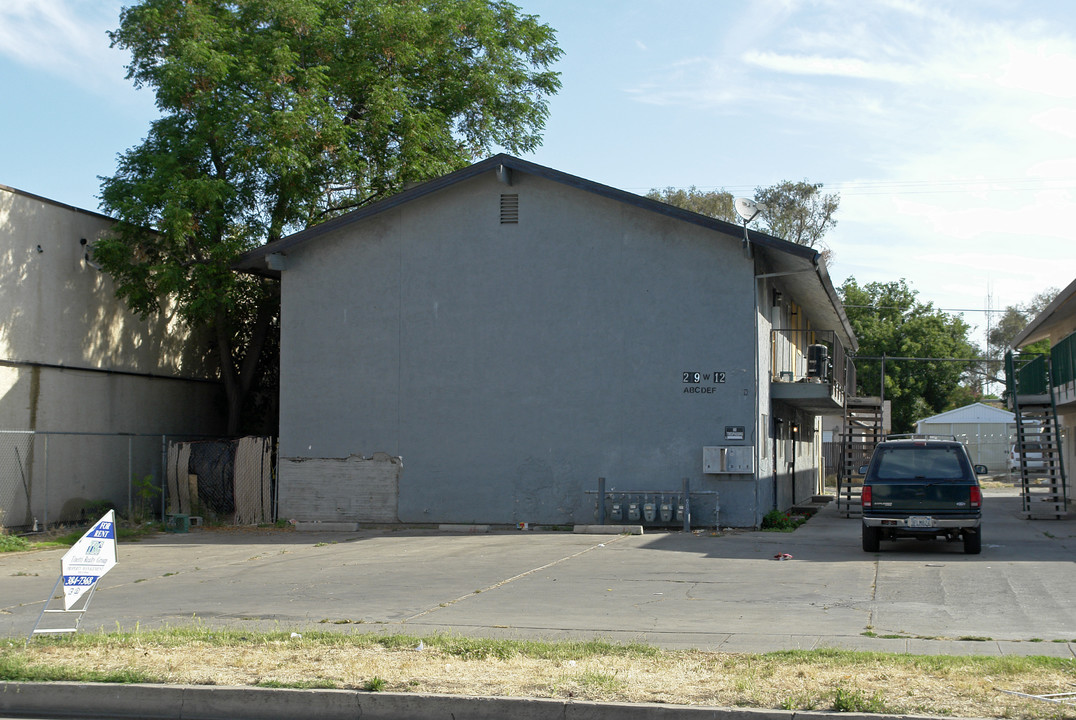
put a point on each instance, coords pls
(838, 66)
(66, 38)
(1057, 120)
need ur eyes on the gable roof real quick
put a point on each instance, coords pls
(801, 268)
(974, 413)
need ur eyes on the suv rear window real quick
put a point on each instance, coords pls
(920, 463)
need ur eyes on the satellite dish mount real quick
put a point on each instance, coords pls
(748, 210)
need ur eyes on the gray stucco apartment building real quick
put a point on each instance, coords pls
(483, 347)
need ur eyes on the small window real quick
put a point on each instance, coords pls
(510, 209)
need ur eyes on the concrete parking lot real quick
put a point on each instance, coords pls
(723, 592)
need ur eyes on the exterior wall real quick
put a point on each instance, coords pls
(791, 469)
(73, 359)
(766, 318)
(513, 365)
(988, 443)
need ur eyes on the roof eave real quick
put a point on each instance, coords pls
(1040, 327)
(255, 261)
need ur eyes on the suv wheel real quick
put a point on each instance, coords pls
(973, 541)
(872, 536)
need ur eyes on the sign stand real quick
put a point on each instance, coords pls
(80, 569)
(77, 613)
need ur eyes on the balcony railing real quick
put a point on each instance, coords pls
(806, 356)
(1026, 374)
(1063, 360)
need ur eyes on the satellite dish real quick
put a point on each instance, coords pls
(748, 209)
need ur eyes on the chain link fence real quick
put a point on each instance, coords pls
(56, 478)
(984, 448)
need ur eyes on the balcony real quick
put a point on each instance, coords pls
(810, 370)
(1033, 378)
(1063, 368)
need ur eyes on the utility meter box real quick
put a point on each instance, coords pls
(734, 459)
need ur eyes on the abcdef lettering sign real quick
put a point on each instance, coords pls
(89, 559)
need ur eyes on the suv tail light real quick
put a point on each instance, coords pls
(867, 495)
(976, 496)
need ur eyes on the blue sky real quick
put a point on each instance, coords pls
(948, 128)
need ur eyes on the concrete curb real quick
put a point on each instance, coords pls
(608, 529)
(318, 526)
(200, 702)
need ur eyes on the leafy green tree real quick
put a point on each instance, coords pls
(277, 115)
(799, 212)
(795, 211)
(889, 320)
(1001, 333)
(713, 203)
(1015, 318)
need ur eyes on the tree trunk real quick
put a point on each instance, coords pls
(238, 377)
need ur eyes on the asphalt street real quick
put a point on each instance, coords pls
(724, 591)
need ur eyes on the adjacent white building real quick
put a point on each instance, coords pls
(987, 432)
(73, 359)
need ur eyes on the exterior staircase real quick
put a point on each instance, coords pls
(861, 432)
(1041, 472)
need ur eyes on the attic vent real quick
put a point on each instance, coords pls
(509, 209)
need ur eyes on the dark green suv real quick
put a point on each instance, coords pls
(923, 488)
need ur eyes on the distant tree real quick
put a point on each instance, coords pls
(713, 203)
(991, 373)
(889, 320)
(1015, 318)
(799, 212)
(279, 115)
(795, 211)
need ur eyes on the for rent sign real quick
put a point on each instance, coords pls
(88, 559)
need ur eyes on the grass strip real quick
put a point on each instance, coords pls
(370, 661)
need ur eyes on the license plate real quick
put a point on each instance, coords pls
(920, 521)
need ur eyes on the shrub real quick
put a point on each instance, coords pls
(779, 521)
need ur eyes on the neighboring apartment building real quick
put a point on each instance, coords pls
(1042, 391)
(484, 347)
(74, 360)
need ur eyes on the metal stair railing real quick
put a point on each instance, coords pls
(1032, 379)
(861, 433)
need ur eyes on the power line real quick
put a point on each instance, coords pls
(915, 187)
(930, 359)
(894, 307)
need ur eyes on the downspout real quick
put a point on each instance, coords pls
(758, 405)
(793, 431)
(774, 420)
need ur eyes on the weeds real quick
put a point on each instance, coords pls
(13, 543)
(146, 493)
(778, 521)
(603, 682)
(855, 701)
